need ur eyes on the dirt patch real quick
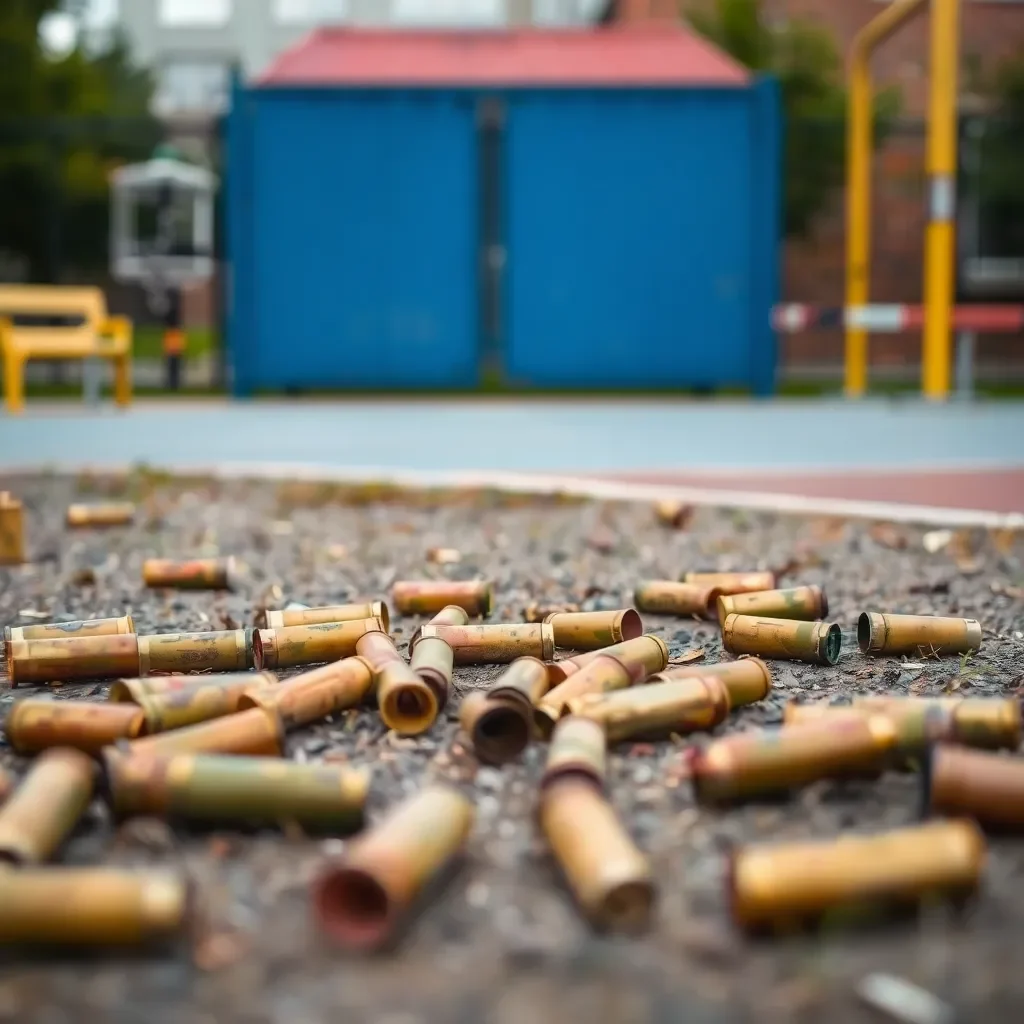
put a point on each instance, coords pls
(503, 941)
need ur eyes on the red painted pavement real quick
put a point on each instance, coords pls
(1000, 490)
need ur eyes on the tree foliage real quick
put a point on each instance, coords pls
(809, 69)
(64, 125)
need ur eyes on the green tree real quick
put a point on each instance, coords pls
(809, 69)
(64, 124)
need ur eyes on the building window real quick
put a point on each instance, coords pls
(310, 12)
(194, 13)
(192, 87)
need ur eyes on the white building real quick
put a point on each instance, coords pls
(192, 45)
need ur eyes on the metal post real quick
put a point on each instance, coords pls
(965, 365)
(859, 147)
(940, 234)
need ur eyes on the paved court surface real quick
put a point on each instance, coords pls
(958, 455)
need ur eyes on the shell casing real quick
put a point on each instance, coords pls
(808, 603)
(498, 727)
(427, 597)
(660, 709)
(114, 513)
(525, 679)
(12, 530)
(775, 760)
(256, 731)
(647, 652)
(598, 676)
(137, 691)
(433, 660)
(79, 657)
(579, 748)
(816, 642)
(781, 887)
(360, 899)
(590, 631)
(314, 695)
(495, 644)
(748, 680)
(987, 722)
(921, 635)
(732, 582)
(195, 574)
(307, 645)
(45, 808)
(201, 702)
(609, 877)
(329, 613)
(499, 722)
(122, 625)
(407, 703)
(377, 649)
(221, 650)
(451, 615)
(250, 790)
(91, 906)
(34, 725)
(987, 787)
(667, 597)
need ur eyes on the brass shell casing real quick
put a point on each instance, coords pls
(315, 694)
(667, 597)
(64, 630)
(433, 660)
(589, 631)
(34, 725)
(774, 760)
(732, 582)
(201, 702)
(329, 613)
(658, 709)
(984, 786)
(307, 645)
(598, 676)
(114, 513)
(748, 680)
(360, 900)
(818, 643)
(578, 748)
(609, 877)
(12, 530)
(222, 650)
(407, 704)
(45, 808)
(808, 603)
(499, 722)
(85, 657)
(254, 731)
(427, 597)
(141, 689)
(783, 887)
(248, 790)
(91, 906)
(494, 644)
(919, 635)
(647, 653)
(194, 574)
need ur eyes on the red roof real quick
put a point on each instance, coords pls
(657, 56)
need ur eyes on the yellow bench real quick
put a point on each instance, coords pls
(94, 334)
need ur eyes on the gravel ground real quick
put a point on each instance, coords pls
(503, 941)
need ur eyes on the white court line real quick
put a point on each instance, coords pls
(579, 486)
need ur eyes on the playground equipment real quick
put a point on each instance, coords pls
(162, 218)
(938, 314)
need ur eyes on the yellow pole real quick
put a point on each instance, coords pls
(859, 146)
(940, 237)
